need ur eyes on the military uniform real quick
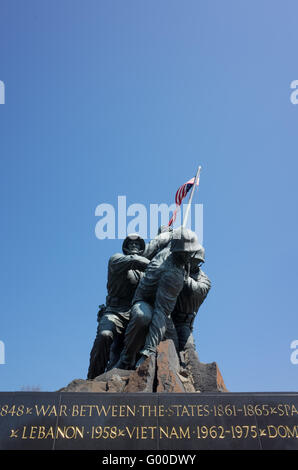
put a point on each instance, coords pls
(123, 276)
(155, 299)
(158, 243)
(191, 297)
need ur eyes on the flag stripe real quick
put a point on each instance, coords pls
(180, 195)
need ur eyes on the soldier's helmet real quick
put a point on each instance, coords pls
(133, 237)
(199, 255)
(184, 240)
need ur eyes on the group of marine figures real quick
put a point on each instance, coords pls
(154, 291)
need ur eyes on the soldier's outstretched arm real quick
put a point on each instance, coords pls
(157, 244)
(199, 284)
(121, 263)
(134, 276)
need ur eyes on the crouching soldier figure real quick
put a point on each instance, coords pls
(124, 272)
(195, 290)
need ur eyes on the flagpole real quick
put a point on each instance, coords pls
(197, 178)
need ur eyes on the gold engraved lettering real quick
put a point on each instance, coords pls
(170, 411)
(272, 431)
(53, 411)
(177, 407)
(164, 432)
(134, 433)
(42, 409)
(148, 410)
(24, 433)
(249, 410)
(113, 432)
(103, 410)
(41, 432)
(68, 432)
(185, 411)
(96, 432)
(12, 410)
(292, 432)
(174, 433)
(170, 432)
(72, 432)
(131, 411)
(83, 410)
(48, 410)
(282, 431)
(221, 432)
(80, 432)
(201, 432)
(213, 432)
(60, 433)
(258, 410)
(253, 431)
(152, 429)
(33, 432)
(192, 409)
(287, 408)
(4, 409)
(184, 434)
(236, 432)
(287, 432)
(50, 433)
(62, 410)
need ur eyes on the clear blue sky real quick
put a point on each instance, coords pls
(108, 98)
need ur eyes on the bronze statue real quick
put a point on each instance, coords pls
(162, 239)
(155, 298)
(124, 272)
(195, 290)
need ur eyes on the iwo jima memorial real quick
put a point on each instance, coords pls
(146, 388)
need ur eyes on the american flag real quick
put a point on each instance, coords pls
(180, 195)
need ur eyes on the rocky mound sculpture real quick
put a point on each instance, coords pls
(163, 372)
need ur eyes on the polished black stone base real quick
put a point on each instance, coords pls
(148, 422)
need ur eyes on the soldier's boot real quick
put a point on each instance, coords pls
(125, 362)
(143, 358)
